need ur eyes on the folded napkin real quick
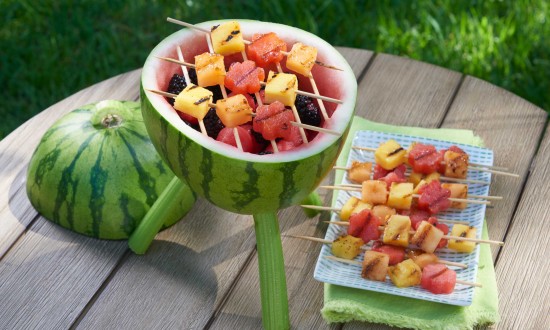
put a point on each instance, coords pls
(343, 304)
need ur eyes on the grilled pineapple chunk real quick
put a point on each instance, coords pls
(427, 237)
(458, 190)
(352, 206)
(301, 58)
(397, 230)
(375, 266)
(415, 178)
(389, 155)
(374, 192)
(194, 100)
(227, 38)
(462, 231)
(347, 247)
(432, 176)
(456, 164)
(210, 69)
(281, 87)
(359, 172)
(404, 274)
(401, 195)
(419, 186)
(383, 212)
(234, 111)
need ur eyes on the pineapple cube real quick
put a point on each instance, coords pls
(375, 266)
(404, 274)
(389, 155)
(281, 87)
(432, 176)
(397, 231)
(460, 230)
(383, 212)
(348, 207)
(374, 192)
(301, 58)
(210, 69)
(458, 190)
(401, 195)
(419, 186)
(234, 111)
(360, 172)
(227, 38)
(194, 101)
(415, 178)
(456, 164)
(427, 237)
(347, 247)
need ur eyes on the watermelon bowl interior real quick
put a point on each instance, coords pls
(243, 182)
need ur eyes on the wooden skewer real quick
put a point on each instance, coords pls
(457, 238)
(460, 200)
(337, 210)
(479, 167)
(299, 92)
(316, 91)
(359, 263)
(191, 26)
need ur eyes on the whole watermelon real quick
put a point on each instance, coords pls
(97, 173)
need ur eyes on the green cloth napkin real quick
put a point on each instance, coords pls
(343, 304)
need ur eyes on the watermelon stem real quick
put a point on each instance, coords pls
(162, 210)
(272, 272)
(312, 199)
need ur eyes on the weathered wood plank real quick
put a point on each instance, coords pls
(523, 266)
(17, 148)
(511, 127)
(401, 91)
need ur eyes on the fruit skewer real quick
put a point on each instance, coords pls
(365, 247)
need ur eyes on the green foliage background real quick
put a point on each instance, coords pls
(50, 49)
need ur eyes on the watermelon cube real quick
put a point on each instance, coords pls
(194, 101)
(266, 49)
(281, 87)
(234, 111)
(301, 59)
(273, 121)
(210, 69)
(244, 77)
(227, 38)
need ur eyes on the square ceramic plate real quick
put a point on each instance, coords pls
(338, 273)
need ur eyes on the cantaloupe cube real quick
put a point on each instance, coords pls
(352, 206)
(301, 58)
(415, 178)
(374, 192)
(460, 230)
(375, 266)
(397, 230)
(359, 172)
(383, 212)
(422, 258)
(194, 100)
(401, 195)
(404, 274)
(456, 164)
(458, 190)
(347, 247)
(227, 38)
(210, 69)
(234, 111)
(427, 237)
(389, 155)
(281, 87)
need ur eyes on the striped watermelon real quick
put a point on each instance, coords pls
(242, 182)
(96, 172)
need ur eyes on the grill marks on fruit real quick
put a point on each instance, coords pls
(206, 170)
(68, 186)
(98, 180)
(146, 181)
(395, 151)
(250, 191)
(289, 184)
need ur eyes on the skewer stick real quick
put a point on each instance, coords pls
(191, 26)
(295, 112)
(479, 167)
(457, 238)
(299, 92)
(460, 200)
(316, 91)
(359, 263)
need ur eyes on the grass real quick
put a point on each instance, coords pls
(51, 49)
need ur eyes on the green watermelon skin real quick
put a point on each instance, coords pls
(99, 181)
(236, 181)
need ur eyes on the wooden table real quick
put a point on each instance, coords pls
(192, 278)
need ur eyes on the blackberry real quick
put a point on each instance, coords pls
(264, 152)
(217, 93)
(302, 101)
(310, 114)
(259, 138)
(176, 85)
(212, 123)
